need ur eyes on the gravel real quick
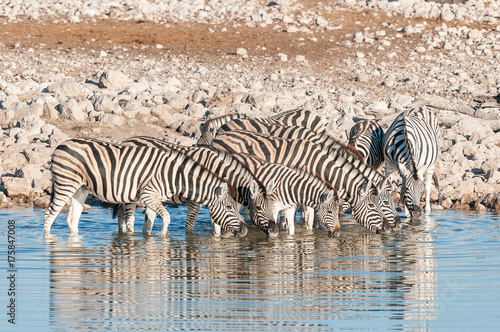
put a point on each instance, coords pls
(447, 59)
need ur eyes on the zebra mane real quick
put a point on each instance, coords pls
(282, 114)
(315, 175)
(175, 150)
(410, 151)
(334, 147)
(223, 118)
(230, 159)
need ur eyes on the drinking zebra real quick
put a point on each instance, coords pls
(298, 118)
(328, 143)
(411, 146)
(338, 166)
(250, 192)
(367, 137)
(291, 187)
(128, 174)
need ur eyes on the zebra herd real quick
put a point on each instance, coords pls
(265, 164)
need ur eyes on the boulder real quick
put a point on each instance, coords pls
(69, 89)
(114, 80)
(71, 110)
(17, 187)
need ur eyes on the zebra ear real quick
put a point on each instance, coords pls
(222, 190)
(254, 188)
(332, 194)
(270, 186)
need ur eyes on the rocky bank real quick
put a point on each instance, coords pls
(344, 60)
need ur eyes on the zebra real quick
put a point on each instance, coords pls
(128, 174)
(327, 142)
(250, 192)
(338, 166)
(411, 146)
(297, 117)
(367, 137)
(290, 187)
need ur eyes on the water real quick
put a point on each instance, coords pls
(442, 272)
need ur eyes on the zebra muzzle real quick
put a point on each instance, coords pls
(242, 231)
(273, 230)
(415, 212)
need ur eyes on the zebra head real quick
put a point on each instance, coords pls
(225, 208)
(366, 209)
(327, 212)
(260, 209)
(387, 205)
(411, 190)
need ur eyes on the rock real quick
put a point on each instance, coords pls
(41, 202)
(264, 101)
(300, 58)
(446, 14)
(321, 22)
(114, 80)
(69, 89)
(16, 187)
(71, 110)
(103, 103)
(242, 52)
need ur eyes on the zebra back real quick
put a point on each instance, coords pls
(297, 118)
(336, 165)
(367, 137)
(210, 127)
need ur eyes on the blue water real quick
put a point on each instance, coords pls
(441, 272)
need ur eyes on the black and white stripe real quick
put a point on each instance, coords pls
(328, 143)
(250, 192)
(411, 146)
(367, 137)
(338, 166)
(128, 174)
(291, 187)
(297, 118)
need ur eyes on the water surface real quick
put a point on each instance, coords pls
(441, 272)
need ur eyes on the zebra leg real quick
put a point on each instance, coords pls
(428, 183)
(129, 217)
(192, 214)
(217, 229)
(150, 200)
(76, 208)
(149, 220)
(288, 215)
(60, 196)
(308, 217)
(122, 227)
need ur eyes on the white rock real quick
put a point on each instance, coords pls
(114, 80)
(242, 52)
(321, 22)
(69, 89)
(16, 187)
(70, 110)
(300, 58)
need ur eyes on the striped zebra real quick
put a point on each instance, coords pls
(250, 192)
(367, 138)
(291, 187)
(338, 166)
(411, 146)
(297, 117)
(128, 174)
(328, 143)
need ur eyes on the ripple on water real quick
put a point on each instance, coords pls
(440, 269)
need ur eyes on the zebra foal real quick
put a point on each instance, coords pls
(411, 146)
(291, 187)
(128, 174)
